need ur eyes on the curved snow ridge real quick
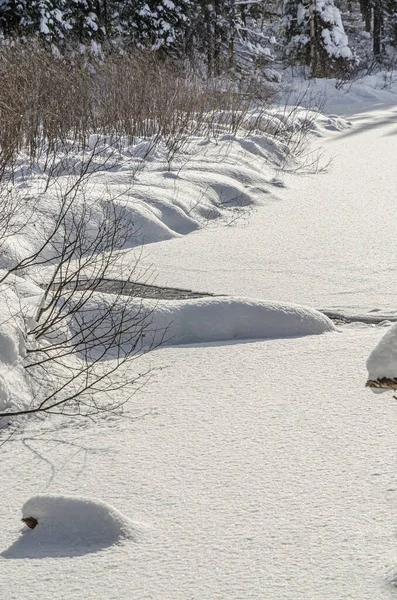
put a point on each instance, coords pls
(227, 319)
(212, 319)
(70, 526)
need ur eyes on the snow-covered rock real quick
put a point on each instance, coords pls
(382, 362)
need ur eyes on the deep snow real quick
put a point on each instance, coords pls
(146, 323)
(327, 242)
(261, 469)
(212, 319)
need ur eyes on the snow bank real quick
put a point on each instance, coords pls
(70, 526)
(212, 178)
(225, 319)
(146, 323)
(354, 97)
(382, 362)
(207, 181)
(14, 391)
(215, 319)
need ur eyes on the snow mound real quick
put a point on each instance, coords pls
(210, 179)
(333, 123)
(215, 319)
(14, 392)
(70, 526)
(382, 362)
(226, 319)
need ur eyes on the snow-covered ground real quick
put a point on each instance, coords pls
(325, 240)
(261, 470)
(254, 464)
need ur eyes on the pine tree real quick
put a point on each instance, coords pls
(38, 18)
(252, 45)
(45, 18)
(390, 18)
(11, 14)
(52, 20)
(83, 18)
(315, 35)
(152, 24)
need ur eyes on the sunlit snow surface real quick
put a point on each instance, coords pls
(328, 242)
(261, 469)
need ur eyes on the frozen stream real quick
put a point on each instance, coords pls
(329, 242)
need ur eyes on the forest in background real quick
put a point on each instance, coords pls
(330, 37)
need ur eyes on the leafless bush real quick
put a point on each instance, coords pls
(45, 102)
(346, 79)
(78, 339)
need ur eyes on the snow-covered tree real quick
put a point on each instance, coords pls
(230, 34)
(11, 14)
(32, 17)
(83, 18)
(315, 34)
(152, 24)
(390, 18)
(46, 18)
(253, 44)
(52, 20)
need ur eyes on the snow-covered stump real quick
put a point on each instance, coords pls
(69, 526)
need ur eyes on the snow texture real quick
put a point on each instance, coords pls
(308, 246)
(14, 391)
(265, 472)
(70, 526)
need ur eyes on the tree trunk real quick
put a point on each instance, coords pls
(378, 28)
(366, 11)
(315, 62)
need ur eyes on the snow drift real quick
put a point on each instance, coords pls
(14, 390)
(70, 526)
(212, 179)
(142, 324)
(215, 319)
(227, 319)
